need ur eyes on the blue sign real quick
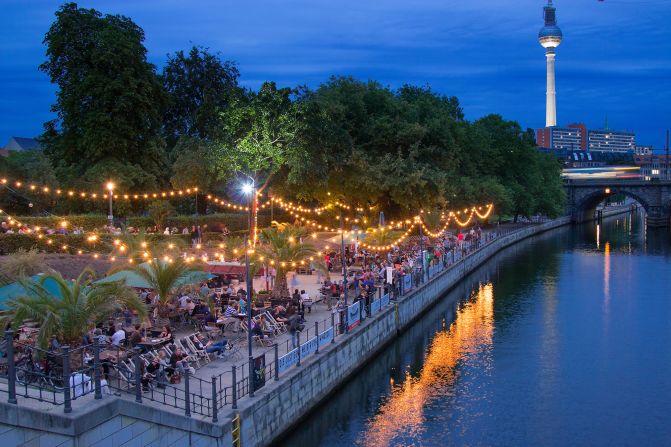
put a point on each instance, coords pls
(353, 315)
(326, 336)
(309, 347)
(384, 300)
(407, 283)
(287, 360)
(375, 306)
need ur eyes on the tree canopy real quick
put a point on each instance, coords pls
(380, 148)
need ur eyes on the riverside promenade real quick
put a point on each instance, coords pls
(293, 384)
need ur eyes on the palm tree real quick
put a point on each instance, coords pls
(163, 278)
(282, 248)
(68, 314)
(382, 237)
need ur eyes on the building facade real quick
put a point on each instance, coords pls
(610, 141)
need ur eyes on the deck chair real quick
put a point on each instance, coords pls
(200, 353)
(192, 357)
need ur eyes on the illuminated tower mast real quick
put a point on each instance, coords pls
(550, 37)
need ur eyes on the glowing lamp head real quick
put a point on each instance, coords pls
(247, 188)
(110, 186)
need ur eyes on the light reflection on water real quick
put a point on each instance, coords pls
(401, 417)
(561, 340)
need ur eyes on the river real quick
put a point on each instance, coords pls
(564, 339)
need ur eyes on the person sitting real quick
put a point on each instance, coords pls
(118, 337)
(280, 314)
(179, 361)
(229, 317)
(166, 333)
(210, 346)
(190, 306)
(155, 371)
(136, 337)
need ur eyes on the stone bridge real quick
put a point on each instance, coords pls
(654, 196)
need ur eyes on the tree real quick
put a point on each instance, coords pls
(109, 100)
(79, 306)
(200, 86)
(281, 247)
(159, 211)
(193, 168)
(163, 278)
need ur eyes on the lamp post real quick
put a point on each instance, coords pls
(248, 189)
(342, 257)
(110, 216)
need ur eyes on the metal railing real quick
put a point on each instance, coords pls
(63, 376)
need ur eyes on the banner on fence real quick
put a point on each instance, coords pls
(287, 360)
(390, 275)
(309, 347)
(353, 315)
(375, 307)
(407, 283)
(259, 371)
(326, 336)
(384, 300)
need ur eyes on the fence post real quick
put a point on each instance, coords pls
(333, 326)
(277, 361)
(235, 389)
(67, 404)
(250, 375)
(215, 417)
(138, 375)
(11, 366)
(96, 368)
(187, 393)
(317, 336)
(298, 337)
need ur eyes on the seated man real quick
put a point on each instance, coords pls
(211, 346)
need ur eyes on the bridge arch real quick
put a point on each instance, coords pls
(586, 205)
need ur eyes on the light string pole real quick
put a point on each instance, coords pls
(110, 216)
(344, 265)
(250, 191)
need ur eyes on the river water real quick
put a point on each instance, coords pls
(564, 339)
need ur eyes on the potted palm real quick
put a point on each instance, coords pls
(71, 308)
(164, 278)
(282, 248)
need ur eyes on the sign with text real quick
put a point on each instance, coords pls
(308, 347)
(384, 300)
(353, 315)
(287, 360)
(326, 336)
(407, 283)
(259, 371)
(375, 306)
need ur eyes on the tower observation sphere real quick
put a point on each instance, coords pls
(550, 37)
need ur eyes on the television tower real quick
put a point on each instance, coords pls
(550, 37)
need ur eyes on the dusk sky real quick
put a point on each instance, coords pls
(615, 59)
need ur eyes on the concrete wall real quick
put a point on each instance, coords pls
(110, 422)
(281, 405)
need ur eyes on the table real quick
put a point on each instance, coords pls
(154, 343)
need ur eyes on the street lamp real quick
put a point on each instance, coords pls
(248, 189)
(110, 216)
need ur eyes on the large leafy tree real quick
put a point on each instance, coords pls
(200, 86)
(109, 100)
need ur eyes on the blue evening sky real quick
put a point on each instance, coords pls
(615, 60)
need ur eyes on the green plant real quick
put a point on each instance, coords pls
(23, 263)
(79, 305)
(282, 247)
(163, 278)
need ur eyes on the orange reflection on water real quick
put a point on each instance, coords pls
(470, 333)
